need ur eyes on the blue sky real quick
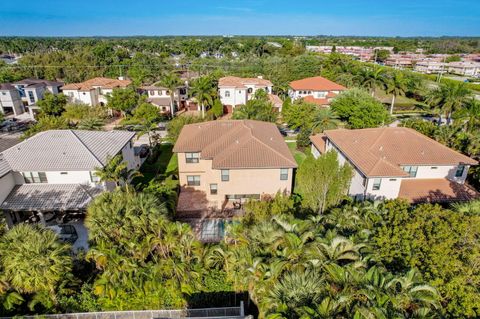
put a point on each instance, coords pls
(240, 17)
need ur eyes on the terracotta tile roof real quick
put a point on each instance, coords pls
(381, 151)
(276, 100)
(153, 87)
(316, 83)
(435, 190)
(236, 144)
(320, 141)
(104, 83)
(320, 102)
(236, 82)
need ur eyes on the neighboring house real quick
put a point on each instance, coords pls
(222, 164)
(94, 91)
(160, 97)
(276, 102)
(33, 90)
(10, 100)
(464, 68)
(397, 162)
(53, 173)
(429, 67)
(317, 90)
(235, 91)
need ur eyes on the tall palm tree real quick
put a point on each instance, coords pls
(373, 79)
(325, 119)
(448, 98)
(397, 86)
(471, 113)
(204, 92)
(171, 82)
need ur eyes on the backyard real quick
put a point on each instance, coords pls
(297, 154)
(164, 166)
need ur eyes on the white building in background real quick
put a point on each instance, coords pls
(10, 100)
(235, 91)
(54, 171)
(33, 90)
(464, 68)
(429, 67)
(94, 91)
(397, 162)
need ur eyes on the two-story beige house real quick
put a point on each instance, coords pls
(223, 163)
(398, 162)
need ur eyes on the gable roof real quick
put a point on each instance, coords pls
(382, 151)
(316, 83)
(4, 166)
(66, 150)
(7, 87)
(236, 82)
(236, 144)
(105, 83)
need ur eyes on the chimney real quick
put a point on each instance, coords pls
(260, 77)
(121, 78)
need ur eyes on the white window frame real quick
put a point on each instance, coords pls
(284, 174)
(377, 184)
(193, 180)
(225, 177)
(192, 157)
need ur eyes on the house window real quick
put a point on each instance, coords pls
(193, 180)
(35, 177)
(191, 157)
(249, 90)
(460, 170)
(284, 174)
(376, 184)
(94, 178)
(227, 93)
(411, 170)
(31, 97)
(225, 175)
(213, 189)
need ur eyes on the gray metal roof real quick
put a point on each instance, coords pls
(66, 150)
(29, 82)
(160, 101)
(4, 167)
(49, 197)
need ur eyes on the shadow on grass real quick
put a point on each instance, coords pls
(161, 164)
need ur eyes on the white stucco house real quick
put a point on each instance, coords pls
(398, 162)
(317, 90)
(53, 172)
(33, 90)
(94, 91)
(160, 97)
(235, 91)
(10, 100)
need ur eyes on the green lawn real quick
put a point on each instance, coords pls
(165, 165)
(401, 102)
(298, 155)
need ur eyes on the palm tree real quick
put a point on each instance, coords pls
(373, 79)
(113, 171)
(325, 119)
(471, 113)
(449, 97)
(91, 124)
(204, 92)
(35, 262)
(397, 86)
(171, 82)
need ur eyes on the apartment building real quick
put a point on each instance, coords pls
(464, 68)
(317, 90)
(224, 163)
(429, 67)
(94, 91)
(397, 162)
(53, 172)
(235, 91)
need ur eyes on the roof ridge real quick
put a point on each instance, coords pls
(268, 146)
(86, 147)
